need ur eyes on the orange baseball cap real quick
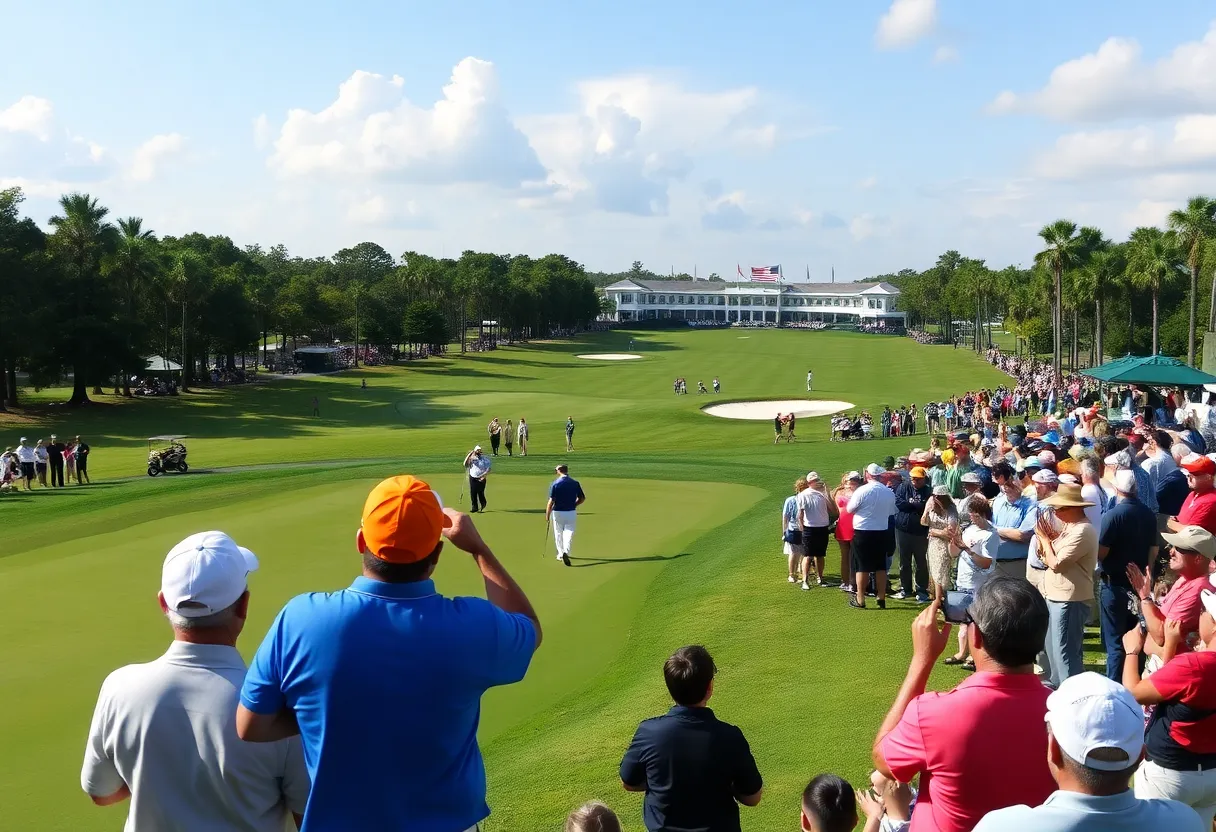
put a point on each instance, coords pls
(403, 520)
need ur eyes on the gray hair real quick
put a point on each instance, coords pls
(1179, 450)
(203, 622)
(1011, 615)
(1090, 469)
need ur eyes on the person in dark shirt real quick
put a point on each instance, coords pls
(1128, 535)
(1172, 488)
(82, 462)
(54, 453)
(694, 769)
(565, 495)
(912, 537)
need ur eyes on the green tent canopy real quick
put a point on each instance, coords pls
(1154, 370)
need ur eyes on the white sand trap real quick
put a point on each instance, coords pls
(765, 410)
(744, 337)
(610, 356)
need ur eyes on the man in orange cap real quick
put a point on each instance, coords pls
(383, 680)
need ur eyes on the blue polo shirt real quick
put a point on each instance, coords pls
(692, 766)
(1129, 529)
(1076, 812)
(1021, 514)
(564, 492)
(386, 682)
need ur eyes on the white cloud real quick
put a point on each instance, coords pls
(868, 182)
(945, 55)
(1131, 151)
(1148, 212)
(905, 23)
(30, 114)
(371, 130)
(865, 226)
(1116, 82)
(150, 156)
(727, 213)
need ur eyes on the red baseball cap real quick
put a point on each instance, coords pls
(403, 520)
(1200, 465)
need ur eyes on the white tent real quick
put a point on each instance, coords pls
(160, 364)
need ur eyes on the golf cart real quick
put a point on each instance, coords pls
(166, 453)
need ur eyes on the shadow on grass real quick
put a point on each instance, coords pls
(583, 563)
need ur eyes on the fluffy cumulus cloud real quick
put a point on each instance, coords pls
(1117, 82)
(1189, 144)
(151, 156)
(42, 153)
(30, 114)
(905, 23)
(371, 130)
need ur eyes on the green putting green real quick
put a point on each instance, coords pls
(678, 544)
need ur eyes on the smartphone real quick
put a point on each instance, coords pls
(957, 607)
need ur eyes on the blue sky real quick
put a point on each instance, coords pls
(867, 135)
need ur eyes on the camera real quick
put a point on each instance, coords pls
(957, 607)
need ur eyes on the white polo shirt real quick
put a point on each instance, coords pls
(479, 466)
(25, 454)
(814, 508)
(167, 729)
(872, 507)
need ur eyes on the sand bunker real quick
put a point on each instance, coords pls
(610, 356)
(766, 409)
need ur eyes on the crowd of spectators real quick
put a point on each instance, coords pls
(926, 338)
(882, 328)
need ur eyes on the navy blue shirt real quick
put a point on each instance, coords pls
(385, 681)
(910, 505)
(692, 766)
(1171, 492)
(565, 493)
(1129, 528)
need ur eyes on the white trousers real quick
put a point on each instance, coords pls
(563, 531)
(1196, 789)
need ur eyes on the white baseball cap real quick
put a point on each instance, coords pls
(1125, 481)
(813, 476)
(205, 574)
(972, 478)
(1045, 477)
(476, 448)
(853, 475)
(1119, 459)
(1068, 479)
(1089, 712)
(875, 470)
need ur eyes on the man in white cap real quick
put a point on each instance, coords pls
(1180, 744)
(872, 507)
(814, 509)
(1069, 549)
(1095, 740)
(1191, 552)
(971, 486)
(26, 458)
(164, 733)
(478, 466)
(565, 495)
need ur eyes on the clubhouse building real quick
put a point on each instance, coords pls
(873, 304)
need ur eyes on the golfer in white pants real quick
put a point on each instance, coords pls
(565, 495)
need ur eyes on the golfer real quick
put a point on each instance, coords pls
(565, 495)
(810, 377)
(569, 433)
(478, 466)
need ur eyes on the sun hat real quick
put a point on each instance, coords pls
(403, 520)
(853, 475)
(874, 469)
(1068, 496)
(1125, 481)
(941, 491)
(972, 478)
(1068, 466)
(1199, 465)
(918, 473)
(1045, 477)
(1088, 713)
(1193, 539)
(205, 574)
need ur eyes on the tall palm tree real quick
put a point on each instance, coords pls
(82, 237)
(1063, 250)
(1194, 225)
(1153, 263)
(133, 265)
(1096, 280)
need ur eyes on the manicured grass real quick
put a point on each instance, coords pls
(680, 534)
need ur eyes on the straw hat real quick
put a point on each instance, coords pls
(1067, 496)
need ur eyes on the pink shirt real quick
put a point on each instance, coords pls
(1183, 603)
(977, 748)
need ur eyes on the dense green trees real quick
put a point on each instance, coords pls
(94, 297)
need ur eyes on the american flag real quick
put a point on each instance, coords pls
(766, 274)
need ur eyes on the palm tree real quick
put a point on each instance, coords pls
(133, 264)
(1102, 271)
(1064, 249)
(82, 237)
(183, 284)
(1194, 225)
(1153, 263)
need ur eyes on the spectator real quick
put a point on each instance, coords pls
(829, 804)
(1157, 460)
(1180, 743)
(1191, 552)
(1068, 547)
(911, 536)
(82, 462)
(694, 769)
(791, 531)
(982, 746)
(384, 679)
(164, 733)
(1095, 739)
(1120, 460)
(873, 510)
(593, 817)
(1091, 490)
(1013, 517)
(1128, 535)
(972, 486)
(1199, 507)
(815, 511)
(976, 544)
(1172, 489)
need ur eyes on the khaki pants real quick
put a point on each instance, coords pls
(1196, 789)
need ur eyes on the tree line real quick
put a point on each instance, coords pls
(1085, 296)
(92, 297)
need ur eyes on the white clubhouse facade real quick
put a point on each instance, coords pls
(762, 303)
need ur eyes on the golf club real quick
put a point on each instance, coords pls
(544, 543)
